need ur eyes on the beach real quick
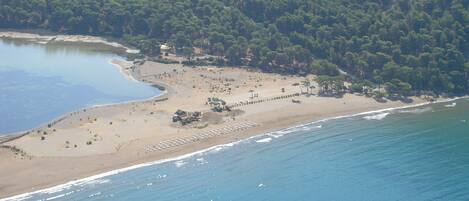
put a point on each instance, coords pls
(108, 137)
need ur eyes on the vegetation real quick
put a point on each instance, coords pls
(406, 45)
(330, 85)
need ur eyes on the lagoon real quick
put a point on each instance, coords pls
(41, 82)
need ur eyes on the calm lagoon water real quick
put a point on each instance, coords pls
(408, 154)
(38, 83)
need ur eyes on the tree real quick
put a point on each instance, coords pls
(357, 87)
(379, 80)
(218, 49)
(306, 83)
(398, 87)
(323, 67)
(188, 52)
(235, 54)
(330, 85)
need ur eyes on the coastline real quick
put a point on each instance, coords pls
(147, 122)
(215, 147)
(124, 67)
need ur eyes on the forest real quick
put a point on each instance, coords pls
(406, 45)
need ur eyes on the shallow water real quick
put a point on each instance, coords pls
(409, 154)
(39, 83)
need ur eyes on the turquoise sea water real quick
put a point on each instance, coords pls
(38, 83)
(406, 154)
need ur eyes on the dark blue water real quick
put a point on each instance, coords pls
(38, 83)
(408, 154)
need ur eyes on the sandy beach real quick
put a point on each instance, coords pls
(104, 138)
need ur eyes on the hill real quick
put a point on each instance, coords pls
(408, 45)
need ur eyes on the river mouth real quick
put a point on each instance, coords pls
(40, 82)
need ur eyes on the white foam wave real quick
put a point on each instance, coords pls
(278, 134)
(416, 110)
(118, 171)
(180, 163)
(221, 147)
(217, 149)
(97, 181)
(451, 105)
(59, 196)
(201, 161)
(303, 127)
(94, 194)
(265, 140)
(380, 116)
(52, 191)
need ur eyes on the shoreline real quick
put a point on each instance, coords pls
(215, 147)
(123, 67)
(45, 37)
(6, 137)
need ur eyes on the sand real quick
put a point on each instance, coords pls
(104, 138)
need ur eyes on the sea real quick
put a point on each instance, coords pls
(415, 153)
(41, 82)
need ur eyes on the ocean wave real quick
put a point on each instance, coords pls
(220, 147)
(301, 127)
(265, 140)
(201, 161)
(97, 181)
(180, 163)
(59, 196)
(380, 116)
(416, 110)
(451, 105)
(94, 194)
(70, 184)
(278, 134)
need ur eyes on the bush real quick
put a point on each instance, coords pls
(356, 88)
(132, 57)
(379, 94)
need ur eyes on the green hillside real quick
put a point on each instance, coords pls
(412, 44)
